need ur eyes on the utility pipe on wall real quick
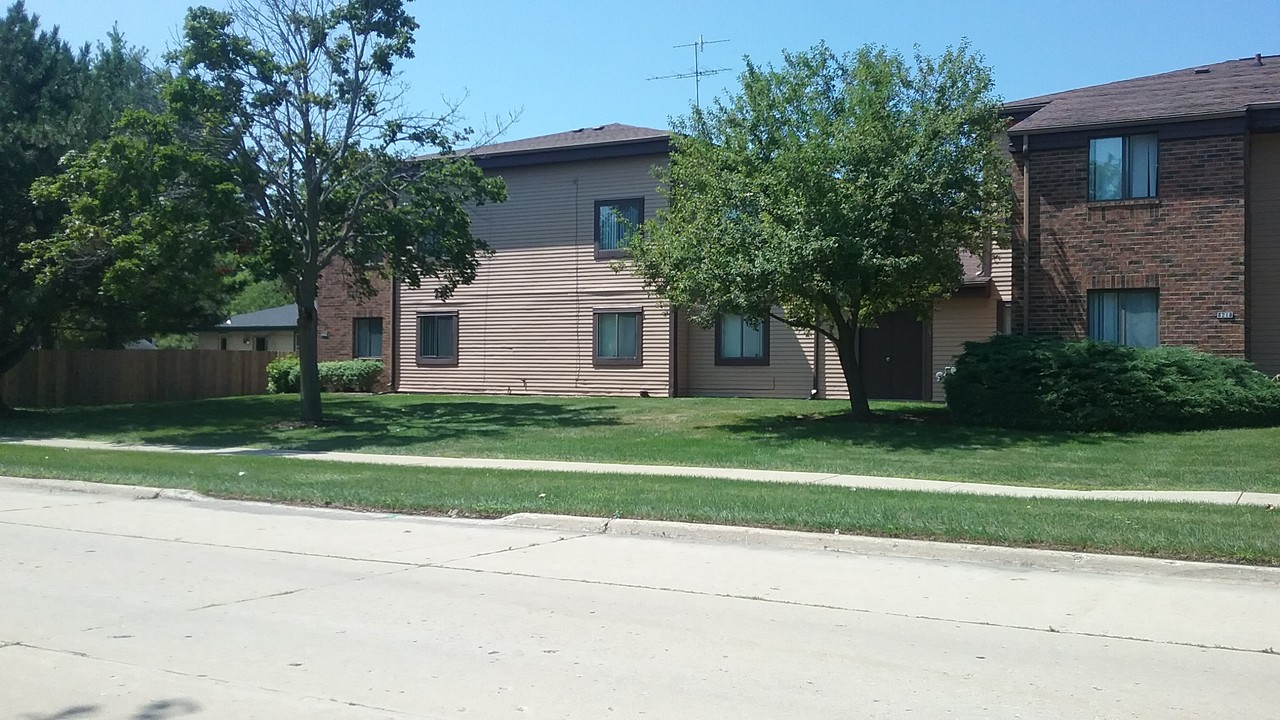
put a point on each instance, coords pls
(1026, 234)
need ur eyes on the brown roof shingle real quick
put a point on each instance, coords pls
(1226, 88)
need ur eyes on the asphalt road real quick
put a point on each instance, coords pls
(115, 608)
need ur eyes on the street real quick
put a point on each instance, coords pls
(115, 608)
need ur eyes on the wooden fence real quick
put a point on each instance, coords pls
(57, 378)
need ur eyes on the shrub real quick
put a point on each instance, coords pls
(1048, 384)
(282, 375)
(339, 376)
(350, 375)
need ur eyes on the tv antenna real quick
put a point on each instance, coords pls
(697, 74)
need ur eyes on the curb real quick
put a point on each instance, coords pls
(938, 550)
(127, 492)
(906, 549)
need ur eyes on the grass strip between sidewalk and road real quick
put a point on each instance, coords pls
(1234, 534)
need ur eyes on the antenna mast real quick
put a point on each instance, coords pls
(698, 48)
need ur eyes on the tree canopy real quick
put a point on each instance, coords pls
(829, 192)
(283, 120)
(54, 102)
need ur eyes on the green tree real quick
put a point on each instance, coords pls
(259, 295)
(301, 99)
(838, 188)
(55, 101)
(40, 101)
(143, 246)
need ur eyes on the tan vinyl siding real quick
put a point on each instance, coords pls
(955, 322)
(525, 325)
(1263, 315)
(789, 373)
(831, 382)
(1002, 272)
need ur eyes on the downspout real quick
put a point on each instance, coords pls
(816, 392)
(1026, 235)
(395, 334)
(673, 372)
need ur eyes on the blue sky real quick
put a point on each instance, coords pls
(574, 63)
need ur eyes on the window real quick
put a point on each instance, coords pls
(616, 220)
(222, 343)
(260, 344)
(617, 336)
(739, 342)
(1123, 167)
(1125, 317)
(368, 336)
(438, 339)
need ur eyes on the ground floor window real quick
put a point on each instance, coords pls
(617, 336)
(260, 344)
(1125, 317)
(740, 342)
(438, 338)
(368, 338)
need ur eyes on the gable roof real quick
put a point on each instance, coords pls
(612, 140)
(1225, 89)
(284, 317)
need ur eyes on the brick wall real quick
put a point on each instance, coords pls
(337, 312)
(1189, 243)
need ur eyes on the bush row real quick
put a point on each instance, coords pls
(338, 376)
(1048, 384)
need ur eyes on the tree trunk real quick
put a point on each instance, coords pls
(847, 349)
(308, 351)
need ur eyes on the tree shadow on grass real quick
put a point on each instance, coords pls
(352, 422)
(916, 427)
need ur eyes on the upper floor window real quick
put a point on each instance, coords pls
(616, 220)
(739, 342)
(1125, 317)
(368, 337)
(1123, 167)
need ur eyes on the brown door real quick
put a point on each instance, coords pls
(892, 357)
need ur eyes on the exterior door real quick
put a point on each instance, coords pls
(892, 358)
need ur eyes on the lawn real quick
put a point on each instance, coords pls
(911, 440)
(1181, 531)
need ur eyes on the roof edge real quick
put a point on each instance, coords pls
(1157, 120)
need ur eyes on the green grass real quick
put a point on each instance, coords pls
(912, 440)
(1184, 531)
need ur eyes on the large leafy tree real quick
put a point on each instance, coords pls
(301, 100)
(55, 101)
(41, 90)
(838, 188)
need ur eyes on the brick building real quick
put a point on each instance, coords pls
(352, 327)
(1148, 211)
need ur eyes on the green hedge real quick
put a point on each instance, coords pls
(1048, 384)
(338, 376)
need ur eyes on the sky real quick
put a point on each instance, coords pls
(566, 64)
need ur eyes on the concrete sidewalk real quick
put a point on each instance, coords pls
(1214, 497)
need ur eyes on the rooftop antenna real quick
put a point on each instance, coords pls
(698, 48)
